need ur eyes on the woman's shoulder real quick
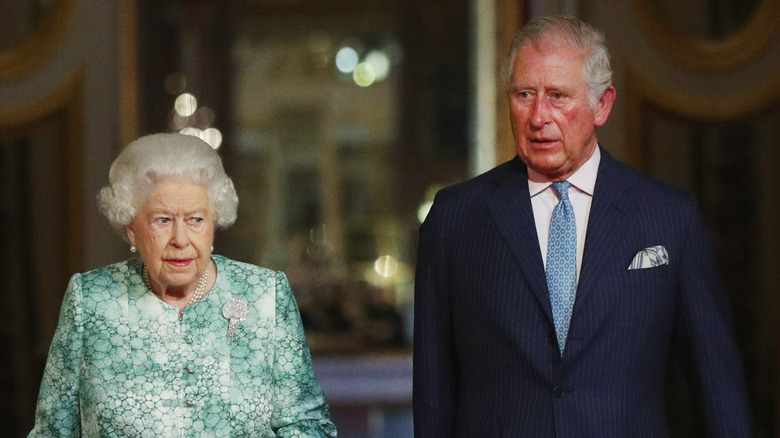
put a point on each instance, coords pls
(107, 282)
(120, 272)
(242, 273)
(234, 267)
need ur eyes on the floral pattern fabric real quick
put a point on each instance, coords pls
(123, 364)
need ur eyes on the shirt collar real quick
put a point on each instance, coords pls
(583, 179)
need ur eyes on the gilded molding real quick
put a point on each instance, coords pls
(642, 90)
(128, 58)
(713, 55)
(31, 54)
(510, 17)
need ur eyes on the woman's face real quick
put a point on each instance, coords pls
(173, 232)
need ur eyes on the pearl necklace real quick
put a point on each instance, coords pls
(196, 296)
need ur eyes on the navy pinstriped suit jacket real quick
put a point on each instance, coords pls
(486, 361)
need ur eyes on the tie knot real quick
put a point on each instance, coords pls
(561, 189)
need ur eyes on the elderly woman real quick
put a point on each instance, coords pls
(177, 341)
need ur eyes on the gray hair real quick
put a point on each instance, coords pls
(149, 160)
(578, 34)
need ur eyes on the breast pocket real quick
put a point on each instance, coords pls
(652, 288)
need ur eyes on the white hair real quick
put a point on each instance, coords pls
(557, 29)
(153, 158)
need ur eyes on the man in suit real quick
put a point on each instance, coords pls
(552, 290)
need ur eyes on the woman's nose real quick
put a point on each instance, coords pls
(179, 238)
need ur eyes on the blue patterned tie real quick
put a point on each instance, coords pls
(562, 262)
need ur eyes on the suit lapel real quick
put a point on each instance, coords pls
(510, 207)
(606, 224)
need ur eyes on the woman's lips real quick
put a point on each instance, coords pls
(179, 263)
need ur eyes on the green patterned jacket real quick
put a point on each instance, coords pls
(123, 364)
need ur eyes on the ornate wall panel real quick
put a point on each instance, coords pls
(33, 51)
(40, 237)
(715, 36)
(724, 146)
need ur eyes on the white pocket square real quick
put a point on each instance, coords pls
(650, 258)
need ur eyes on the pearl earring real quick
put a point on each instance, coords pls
(133, 248)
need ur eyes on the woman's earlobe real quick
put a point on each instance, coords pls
(130, 234)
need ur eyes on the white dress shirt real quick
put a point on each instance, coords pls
(544, 200)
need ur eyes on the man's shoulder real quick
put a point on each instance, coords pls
(641, 185)
(466, 203)
(479, 186)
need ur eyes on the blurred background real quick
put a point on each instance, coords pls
(338, 121)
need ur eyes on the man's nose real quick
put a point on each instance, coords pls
(540, 112)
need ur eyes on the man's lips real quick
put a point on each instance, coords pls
(542, 142)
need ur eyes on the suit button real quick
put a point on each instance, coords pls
(559, 392)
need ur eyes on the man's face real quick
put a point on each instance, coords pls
(552, 120)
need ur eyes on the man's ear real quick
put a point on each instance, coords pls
(604, 105)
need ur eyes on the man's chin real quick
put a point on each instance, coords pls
(545, 170)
